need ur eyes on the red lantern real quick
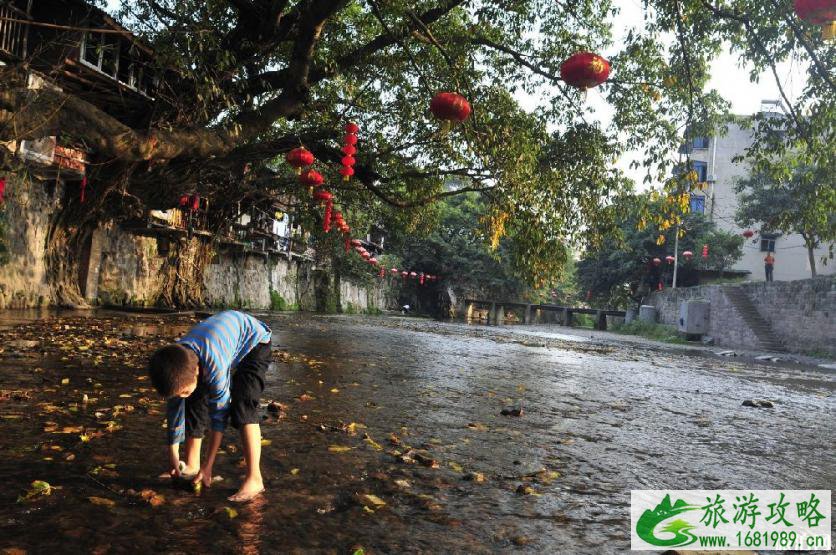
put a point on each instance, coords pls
(421, 279)
(194, 199)
(404, 274)
(819, 12)
(373, 260)
(688, 255)
(2, 189)
(705, 251)
(347, 169)
(323, 196)
(311, 178)
(450, 106)
(669, 259)
(748, 234)
(585, 70)
(657, 262)
(299, 158)
(413, 275)
(394, 271)
(84, 190)
(328, 199)
(356, 243)
(382, 273)
(184, 201)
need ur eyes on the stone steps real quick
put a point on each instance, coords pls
(760, 327)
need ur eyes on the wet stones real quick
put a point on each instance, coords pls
(525, 489)
(758, 403)
(513, 410)
(477, 477)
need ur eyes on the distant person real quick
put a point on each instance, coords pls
(769, 266)
(212, 374)
(405, 309)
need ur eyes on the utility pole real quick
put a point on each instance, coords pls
(675, 256)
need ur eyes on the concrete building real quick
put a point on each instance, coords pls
(713, 159)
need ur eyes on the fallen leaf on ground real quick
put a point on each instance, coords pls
(339, 448)
(374, 500)
(266, 442)
(294, 471)
(375, 445)
(36, 489)
(230, 512)
(101, 501)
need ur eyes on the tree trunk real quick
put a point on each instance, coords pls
(810, 243)
(812, 256)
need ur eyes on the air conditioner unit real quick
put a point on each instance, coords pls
(41, 150)
(693, 317)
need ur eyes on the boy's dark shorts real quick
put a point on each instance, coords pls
(246, 388)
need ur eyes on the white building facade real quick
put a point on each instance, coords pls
(713, 159)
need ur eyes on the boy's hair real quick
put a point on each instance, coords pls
(171, 369)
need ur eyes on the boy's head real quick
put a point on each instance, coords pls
(174, 370)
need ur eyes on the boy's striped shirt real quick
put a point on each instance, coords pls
(220, 343)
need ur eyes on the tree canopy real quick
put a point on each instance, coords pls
(244, 81)
(609, 271)
(804, 203)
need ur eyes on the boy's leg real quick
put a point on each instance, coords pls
(247, 386)
(197, 421)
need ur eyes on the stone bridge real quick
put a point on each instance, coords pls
(538, 313)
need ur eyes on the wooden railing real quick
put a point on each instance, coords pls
(14, 35)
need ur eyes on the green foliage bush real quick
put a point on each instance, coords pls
(657, 332)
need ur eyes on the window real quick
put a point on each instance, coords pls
(698, 204)
(702, 171)
(700, 142)
(768, 242)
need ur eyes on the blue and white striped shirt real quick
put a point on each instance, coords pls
(220, 343)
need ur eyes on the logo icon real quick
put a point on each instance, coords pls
(681, 529)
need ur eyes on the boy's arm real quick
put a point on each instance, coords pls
(175, 415)
(205, 474)
(219, 399)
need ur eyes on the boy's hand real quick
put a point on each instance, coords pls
(174, 461)
(204, 476)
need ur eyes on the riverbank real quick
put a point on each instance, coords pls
(389, 436)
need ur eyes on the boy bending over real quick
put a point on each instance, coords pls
(213, 373)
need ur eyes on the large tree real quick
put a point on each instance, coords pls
(804, 202)
(621, 268)
(243, 81)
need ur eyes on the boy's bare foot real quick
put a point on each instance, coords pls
(249, 490)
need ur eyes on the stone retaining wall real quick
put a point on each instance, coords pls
(802, 313)
(126, 269)
(25, 213)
